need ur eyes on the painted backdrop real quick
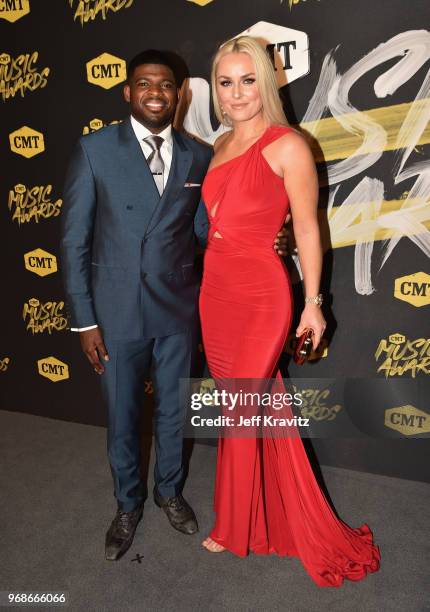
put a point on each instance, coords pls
(355, 79)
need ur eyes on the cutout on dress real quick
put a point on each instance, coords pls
(214, 209)
(212, 213)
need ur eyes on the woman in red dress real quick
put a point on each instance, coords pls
(266, 497)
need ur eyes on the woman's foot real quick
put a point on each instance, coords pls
(212, 546)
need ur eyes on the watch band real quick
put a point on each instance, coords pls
(318, 300)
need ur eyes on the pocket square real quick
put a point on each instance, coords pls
(192, 185)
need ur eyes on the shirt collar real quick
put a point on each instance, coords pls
(142, 132)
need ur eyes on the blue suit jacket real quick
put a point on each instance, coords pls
(128, 257)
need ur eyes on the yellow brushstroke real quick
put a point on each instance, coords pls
(335, 143)
(368, 229)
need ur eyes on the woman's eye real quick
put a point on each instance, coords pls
(249, 81)
(224, 83)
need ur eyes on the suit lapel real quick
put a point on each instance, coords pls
(136, 177)
(181, 163)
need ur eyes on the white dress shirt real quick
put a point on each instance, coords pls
(166, 148)
(166, 151)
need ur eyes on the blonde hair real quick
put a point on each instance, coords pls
(265, 77)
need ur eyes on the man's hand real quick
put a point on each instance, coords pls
(94, 348)
(281, 239)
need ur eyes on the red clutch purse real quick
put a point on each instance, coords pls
(303, 346)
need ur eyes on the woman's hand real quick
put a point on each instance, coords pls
(312, 317)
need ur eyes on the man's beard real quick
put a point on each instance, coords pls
(159, 122)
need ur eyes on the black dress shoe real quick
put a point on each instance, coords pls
(180, 514)
(121, 533)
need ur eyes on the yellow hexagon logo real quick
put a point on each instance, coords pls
(19, 188)
(26, 141)
(396, 338)
(4, 59)
(414, 288)
(106, 71)
(201, 2)
(53, 369)
(408, 420)
(96, 124)
(40, 262)
(12, 10)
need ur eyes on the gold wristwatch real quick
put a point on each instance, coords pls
(318, 300)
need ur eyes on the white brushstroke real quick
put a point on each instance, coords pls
(319, 102)
(364, 203)
(408, 220)
(197, 120)
(414, 125)
(414, 47)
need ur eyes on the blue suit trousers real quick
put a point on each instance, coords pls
(168, 358)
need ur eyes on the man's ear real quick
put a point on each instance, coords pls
(126, 92)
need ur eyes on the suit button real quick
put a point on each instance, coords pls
(129, 207)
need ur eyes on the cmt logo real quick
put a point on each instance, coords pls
(408, 420)
(26, 142)
(97, 124)
(288, 48)
(396, 338)
(414, 289)
(53, 369)
(12, 10)
(106, 71)
(40, 262)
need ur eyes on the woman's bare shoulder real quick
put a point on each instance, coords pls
(291, 143)
(219, 141)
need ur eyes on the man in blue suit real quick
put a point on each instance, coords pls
(131, 219)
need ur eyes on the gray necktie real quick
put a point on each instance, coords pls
(155, 161)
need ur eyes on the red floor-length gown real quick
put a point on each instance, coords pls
(267, 499)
